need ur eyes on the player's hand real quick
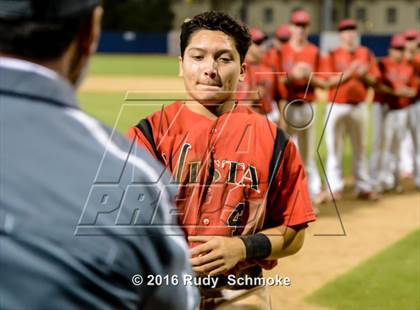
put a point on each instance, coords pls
(362, 70)
(216, 255)
(353, 66)
(300, 71)
(405, 91)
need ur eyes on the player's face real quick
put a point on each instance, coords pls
(211, 67)
(349, 37)
(299, 31)
(396, 54)
(256, 51)
(411, 45)
(277, 44)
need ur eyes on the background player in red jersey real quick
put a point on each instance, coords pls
(347, 111)
(272, 58)
(260, 88)
(223, 156)
(273, 54)
(299, 59)
(398, 82)
(410, 148)
(407, 158)
(414, 109)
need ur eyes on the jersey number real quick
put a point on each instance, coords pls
(235, 219)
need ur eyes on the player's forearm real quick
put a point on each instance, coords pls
(409, 92)
(369, 80)
(384, 89)
(317, 82)
(284, 240)
(282, 120)
(335, 80)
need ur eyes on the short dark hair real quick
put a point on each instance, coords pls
(40, 40)
(214, 20)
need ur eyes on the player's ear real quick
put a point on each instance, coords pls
(90, 32)
(242, 74)
(180, 70)
(96, 28)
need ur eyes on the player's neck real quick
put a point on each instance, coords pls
(396, 59)
(298, 43)
(211, 111)
(348, 47)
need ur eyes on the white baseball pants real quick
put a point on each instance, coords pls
(377, 119)
(348, 119)
(302, 117)
(414, 128)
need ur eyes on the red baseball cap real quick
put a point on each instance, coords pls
(300, 17)
(397, 41)
(257, 35)
(283, 32)
(411, 34)
(347, 24)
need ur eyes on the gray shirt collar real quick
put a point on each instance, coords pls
(36, 86)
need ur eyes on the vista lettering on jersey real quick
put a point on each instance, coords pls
(219, 170)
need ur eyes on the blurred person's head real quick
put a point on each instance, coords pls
(396, 47)
(258, 46)
(59, 34)
(299, 24)
(412, 40)
(281, 36)
(213, 49)
(348, 34)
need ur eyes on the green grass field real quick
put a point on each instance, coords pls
(142, 65)
(389, 280)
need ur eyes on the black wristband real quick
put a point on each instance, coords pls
(257, 246)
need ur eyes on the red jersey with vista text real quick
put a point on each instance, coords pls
(309, 54)
(259, 78)
(354, 90)
(223, 167)
(395, 75)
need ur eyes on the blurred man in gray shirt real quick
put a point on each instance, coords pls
(84, 216)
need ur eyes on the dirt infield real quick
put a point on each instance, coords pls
(327, 253)
(369, 227)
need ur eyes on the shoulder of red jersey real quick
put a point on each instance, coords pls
(366, 50)
(164, 117)
(255, 117)
(312, 47)
(334, 50)
(170, 109)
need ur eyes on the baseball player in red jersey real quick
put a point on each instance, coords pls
(222, 155)
(406, 158)
(260, 88)
(272, 55)
(272, 58)
(398, 82)
(299, 59)
(347, 111)
(410, 149)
